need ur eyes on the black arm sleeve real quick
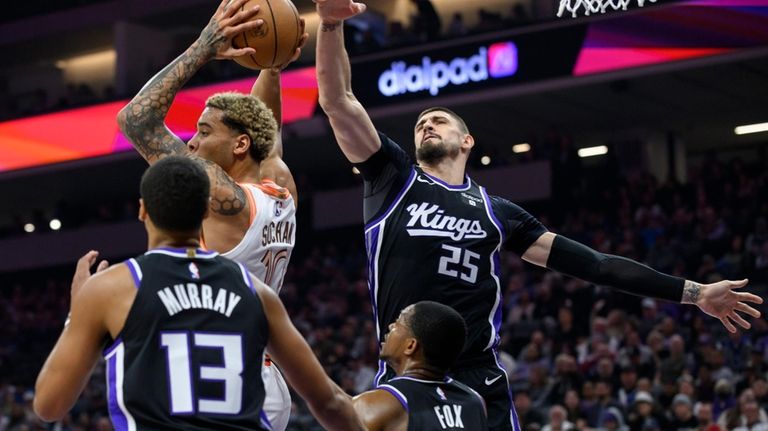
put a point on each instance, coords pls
(384, 174)
(577, 260)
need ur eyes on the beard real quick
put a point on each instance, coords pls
(432, 154)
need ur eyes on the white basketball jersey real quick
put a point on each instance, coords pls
(267, 245)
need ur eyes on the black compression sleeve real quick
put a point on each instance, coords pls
(577, 260)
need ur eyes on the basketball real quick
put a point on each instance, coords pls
(276, 40)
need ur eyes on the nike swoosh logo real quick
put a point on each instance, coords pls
(489, 382)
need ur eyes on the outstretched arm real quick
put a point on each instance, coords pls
(267, 88)
(328, 403)
(351, 125)
(143, 119)
(719, 300)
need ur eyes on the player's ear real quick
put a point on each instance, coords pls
(411, 346)
(142, 210)
(468, 142)
(242, 144)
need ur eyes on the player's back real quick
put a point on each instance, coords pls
(267, 244)
(189, 355)
(438, 405)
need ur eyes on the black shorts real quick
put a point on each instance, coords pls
(491, 382)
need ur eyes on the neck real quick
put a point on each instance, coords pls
(246, 171)
(422, 372)
(185, 240)
(450, 171)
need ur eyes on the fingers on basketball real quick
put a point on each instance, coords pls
(275, 42)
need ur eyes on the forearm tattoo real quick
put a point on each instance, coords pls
(143, 119)
(691, 292)
(329, 27)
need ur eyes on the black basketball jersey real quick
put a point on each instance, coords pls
(190, 353)
(427, 240)
(438, 405)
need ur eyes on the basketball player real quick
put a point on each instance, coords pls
(253, 194)
(421, 346)
(187, 329)
(433, 233)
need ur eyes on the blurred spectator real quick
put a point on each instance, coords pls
(682, 417)
(426, 23)
(558, 420)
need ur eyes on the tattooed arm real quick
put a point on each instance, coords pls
(143, 119)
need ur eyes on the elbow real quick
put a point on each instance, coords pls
(122, 118)
(47, 410)
(335, 105)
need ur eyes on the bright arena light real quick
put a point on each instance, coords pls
(29, 228)
(485, 160)
(355, 171)
(55, 224)
(751, 128)
(593, 151)
(521, 148)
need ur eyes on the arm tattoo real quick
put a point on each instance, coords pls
(143, 119)
(329, 27)
(691, 292)
(227, 197)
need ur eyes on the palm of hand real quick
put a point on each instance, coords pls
(719, 300)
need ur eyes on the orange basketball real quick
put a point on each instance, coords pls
(276, 40)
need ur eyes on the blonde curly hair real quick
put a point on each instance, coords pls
(248, 115)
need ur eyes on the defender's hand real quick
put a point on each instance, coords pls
(720, 301)
(83, 270)
(333, 11)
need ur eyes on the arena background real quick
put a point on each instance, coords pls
(659, 90)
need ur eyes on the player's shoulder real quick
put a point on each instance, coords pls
(379, 407)
(271, 189)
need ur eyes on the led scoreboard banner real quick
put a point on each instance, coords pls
(577, 47)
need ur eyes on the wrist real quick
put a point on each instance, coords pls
(328, 24)
(691, 292)
(200, 52)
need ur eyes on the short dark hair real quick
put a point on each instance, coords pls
(441, 332)
(175, 191)
(456, 116)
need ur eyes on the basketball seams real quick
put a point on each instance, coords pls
(279, 17)
(274, 31)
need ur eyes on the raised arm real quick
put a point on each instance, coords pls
(142, 120)
(351, 125)
(69, 365)
(328, 403)
(719, 300)
(267, 88)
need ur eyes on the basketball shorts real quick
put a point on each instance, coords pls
(492, 384)
(277, 398)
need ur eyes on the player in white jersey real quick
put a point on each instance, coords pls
(238, 143)
(267, 244)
